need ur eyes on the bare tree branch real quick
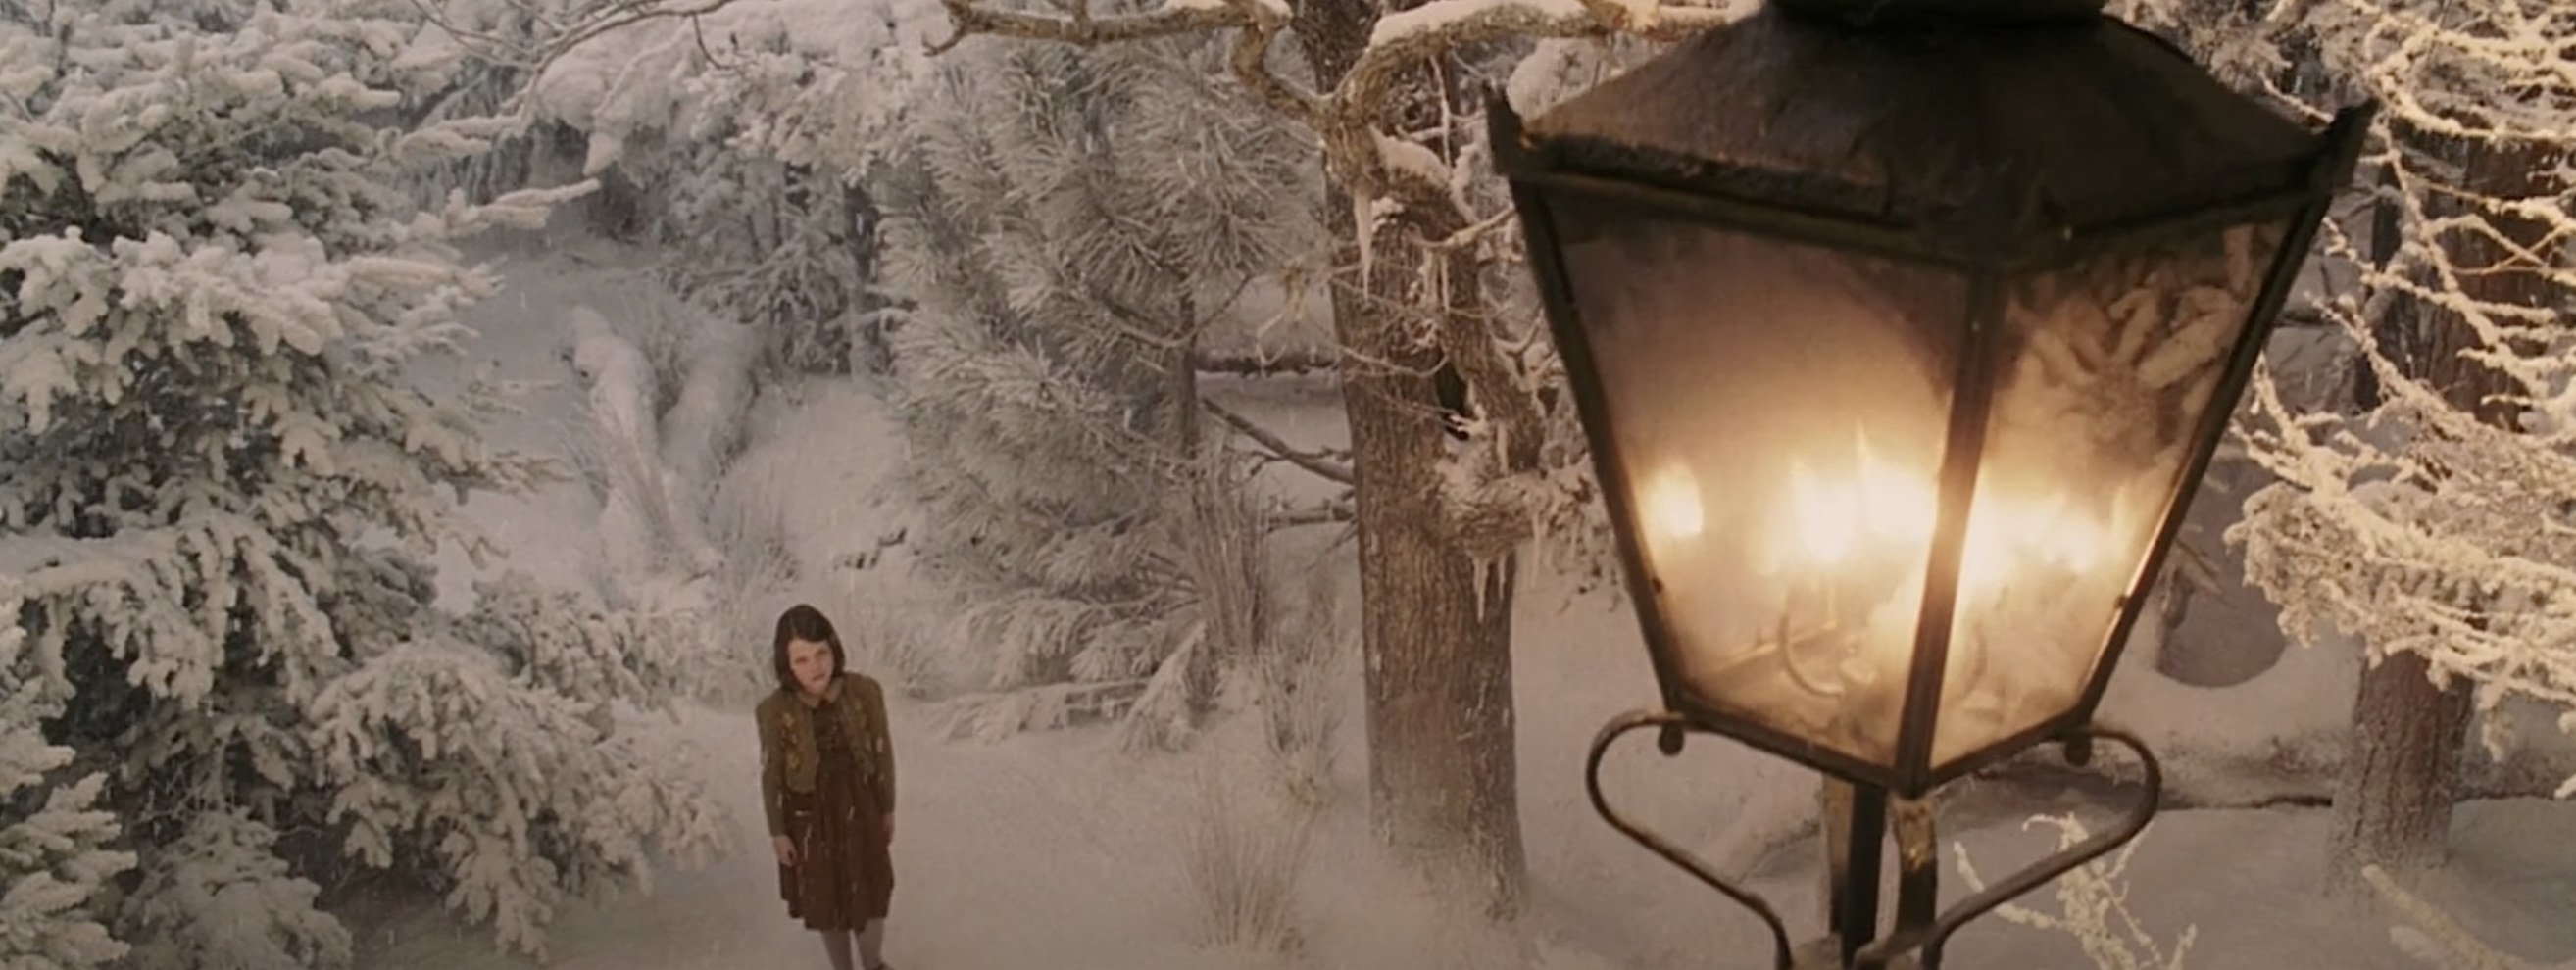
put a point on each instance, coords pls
(1251, 65)
(1079, 27)
(1402, 39)
(558, 37)
(1320, 463)
(1259, 364)
(1473, 234)
(1338, 510)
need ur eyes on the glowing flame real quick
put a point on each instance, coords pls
(1884, 503)
(1670, 503)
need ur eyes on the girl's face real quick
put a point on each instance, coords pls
(811, 662)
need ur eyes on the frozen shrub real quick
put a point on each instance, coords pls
(1244, 864)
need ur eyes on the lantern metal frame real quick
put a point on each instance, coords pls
(1535, 168)
(1851, 938)
(1989, 241)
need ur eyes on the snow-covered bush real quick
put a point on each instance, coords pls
(55, 854)
(224, 483)
(2093, 906)
(219, 896)
(567, 642)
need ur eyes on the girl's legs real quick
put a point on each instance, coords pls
(872, 945)
(836, 945)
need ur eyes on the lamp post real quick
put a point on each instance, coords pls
(1901, 331)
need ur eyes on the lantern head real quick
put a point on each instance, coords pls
(1900, 349)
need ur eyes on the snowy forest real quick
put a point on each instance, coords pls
(416, 415)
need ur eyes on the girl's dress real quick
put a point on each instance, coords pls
(844, 873)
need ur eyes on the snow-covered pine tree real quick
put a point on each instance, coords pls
(1067, 225)
(1426, 355)
(55, 853)
(712, 125)
(221, 480)
(2430, 521)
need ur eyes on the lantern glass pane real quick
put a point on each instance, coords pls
(2104, 372)
(1777, 411)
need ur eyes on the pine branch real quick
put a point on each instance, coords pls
(1320, 463)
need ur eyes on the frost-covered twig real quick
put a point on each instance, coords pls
(2093, 907)
(2437, 938)
(2437, 521)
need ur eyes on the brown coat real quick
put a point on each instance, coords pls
(787, 749)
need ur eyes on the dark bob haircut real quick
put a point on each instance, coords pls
(803, 622)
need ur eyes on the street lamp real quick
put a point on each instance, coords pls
(1901, 332)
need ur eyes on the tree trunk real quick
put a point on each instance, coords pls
(2401, 772)
(1436, 629)
(2392, 805)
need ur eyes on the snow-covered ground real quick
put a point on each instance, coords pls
(1058, 852)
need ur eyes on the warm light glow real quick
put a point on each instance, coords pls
(1670, 503)
(1887, 505)
(1844, 544)
(1850, 546)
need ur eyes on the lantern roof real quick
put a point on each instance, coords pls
(1997, 142)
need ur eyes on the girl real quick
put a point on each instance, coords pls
(827, 785)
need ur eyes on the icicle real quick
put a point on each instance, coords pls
(1488, 570)
(1364, 223)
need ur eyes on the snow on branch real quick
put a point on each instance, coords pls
(1351, 116)
(55, 839)
(559, 33)
(2436, 66)
(2439, 518)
